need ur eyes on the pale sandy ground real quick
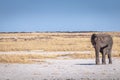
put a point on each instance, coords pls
(60, 69)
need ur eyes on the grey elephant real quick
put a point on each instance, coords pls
(102, 43)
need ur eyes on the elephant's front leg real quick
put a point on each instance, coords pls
(104, 52)
(109, 57)
(97, 55)
(103, 58)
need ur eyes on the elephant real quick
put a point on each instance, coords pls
(102, 43)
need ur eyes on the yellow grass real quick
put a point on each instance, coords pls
(32, 58)
(45, 42)
(49, 42)
(24, 58)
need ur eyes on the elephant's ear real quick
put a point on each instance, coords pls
(95, 40)
(95, 37)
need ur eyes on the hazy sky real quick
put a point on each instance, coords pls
(59, 15)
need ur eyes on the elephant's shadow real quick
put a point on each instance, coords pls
(86, 64)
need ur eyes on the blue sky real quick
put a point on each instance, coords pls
(59, 15)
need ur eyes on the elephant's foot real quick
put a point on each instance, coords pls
(103, 63)
(110, 62)
(97, 63)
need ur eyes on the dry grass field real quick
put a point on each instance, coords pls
(45, 42)
(50, 42)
